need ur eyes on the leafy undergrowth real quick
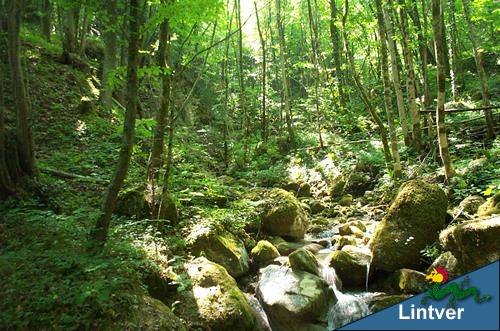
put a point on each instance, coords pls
(50, 282)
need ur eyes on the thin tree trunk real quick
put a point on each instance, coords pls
(313, 29)
(364, 94)
(109, 36)
(410, 78)
(45, 8)
(155, 159)
(483, 80)
(6, 183)
(336, 53)
(24, 138)
(263, 125)
(384, 66)
(99, 233)
(241, 77)
(69, 21)
(284, 74)
(422, 47)
(396, 80)
(439, 40)
(453, 49)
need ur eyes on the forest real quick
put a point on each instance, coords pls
(277, 165)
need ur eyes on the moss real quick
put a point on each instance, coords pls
(220, 302)
(263, 253)
(304, 260)
(411, 223)
(284, 216)
(350, 267)
(490, 207)
(220, 247)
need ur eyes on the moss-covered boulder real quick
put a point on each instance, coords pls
(490, 207)
(221, 247)
(450, 262)
(284, 216)
(263, 253)
(413, 221)
(304, 260)
(148, 314)
(286, 247)
(350, 266)
(406, 281)
(131, 202)
(221, 305)
(471, 204)
(382, 301)
(474, 243)
(294, 300)
(354, 228)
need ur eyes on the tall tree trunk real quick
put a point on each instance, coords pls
(410, 78)
(396, 80)
(263, 124)
(284, 74)
(45, 8)
(453, 49)
(483, 80)
(6, 183)
(364, 94)
(155, 159)
(439, 40)
(384, 66)
(109, 36)
(336, 52)
(315, 51)
(24, 138)
(69, 21)
(99, 233)
(241, 76)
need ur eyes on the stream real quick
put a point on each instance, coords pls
(350, 306)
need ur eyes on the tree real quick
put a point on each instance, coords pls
(336, 53)
(263, 125)
(396, 80)
(410, 77)
(17, 157)
(439, 40)
(284, 73)
(361, 89)
(99, 233)
(384, 66)
(480, 70)
(110, 39)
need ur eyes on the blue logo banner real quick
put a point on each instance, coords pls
(467, 314)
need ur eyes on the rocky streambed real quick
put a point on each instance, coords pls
(303, 276)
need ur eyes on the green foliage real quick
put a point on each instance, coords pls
(430, 253)
(50, 282)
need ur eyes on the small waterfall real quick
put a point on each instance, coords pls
(349, 307)
(367, 274)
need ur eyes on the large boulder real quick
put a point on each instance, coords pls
(490, 207)
(350, 266)
(471, 204)
(474, 243)
(412, 222)
(284, 216)
(221, 247)
(263, 253)
(406, 281)
(149, 315)
(304, 260)
(220, 303)
(450, 262)
(294, 300)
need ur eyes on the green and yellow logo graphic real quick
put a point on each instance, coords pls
(438, 276)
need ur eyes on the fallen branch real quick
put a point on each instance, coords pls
(69, 175)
